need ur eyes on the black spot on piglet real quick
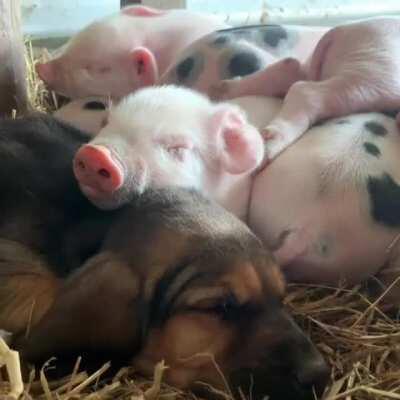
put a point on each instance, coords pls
(184, 69)
(372, 149)
(243, 63)
(384, 195)
(187, 70)
(390, 113)
(221, 41)
(94, 105)
(376, 128)
(274, 34)
(342, 122)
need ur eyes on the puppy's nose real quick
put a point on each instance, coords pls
(313, 373)
(305, 362)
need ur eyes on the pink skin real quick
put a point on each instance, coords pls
(319, 222)
(96, 171)
(311, 205)
(45, 71)
(67, 77)
(85, 114)
(300, 44)
(124, 52)
(232, 146)
(277, 78)
(143, 11)
(355, 67)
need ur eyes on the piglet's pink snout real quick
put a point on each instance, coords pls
(45, 72)
(96, 171)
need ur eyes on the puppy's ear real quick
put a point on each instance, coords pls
(27, 287)
(97, 309)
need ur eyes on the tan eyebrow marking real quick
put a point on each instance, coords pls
(245, 282)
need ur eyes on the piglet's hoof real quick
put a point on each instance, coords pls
(292, 64)
(268, 134)
(275, 142)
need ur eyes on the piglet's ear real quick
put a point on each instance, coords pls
(46, 71)
(142, 11)
(239, 145)
(145, 66)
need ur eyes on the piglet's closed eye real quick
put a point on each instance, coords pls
(177, 146)
(238, 145)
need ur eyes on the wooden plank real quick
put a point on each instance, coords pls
(13, 82)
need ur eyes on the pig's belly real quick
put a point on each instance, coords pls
(320, 232)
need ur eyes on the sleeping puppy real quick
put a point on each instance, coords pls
(169, 276)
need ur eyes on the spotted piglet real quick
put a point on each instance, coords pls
(336, 216)
(88, 114)
(355, 67)
(241, 51)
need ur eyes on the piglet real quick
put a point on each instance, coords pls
(355, 67)
(124, 52)
(144, 143)
(88, 114)
(241, 51)
(328, 206)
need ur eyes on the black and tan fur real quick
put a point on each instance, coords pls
(169, 276)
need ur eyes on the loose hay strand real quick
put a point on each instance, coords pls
(376, 302)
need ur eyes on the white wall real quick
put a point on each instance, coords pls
(318, 12)
(54, 18)
(57, 18)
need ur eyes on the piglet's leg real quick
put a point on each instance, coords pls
(274, 80)
(305, 104)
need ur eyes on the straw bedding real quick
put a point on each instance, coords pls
(360, 342)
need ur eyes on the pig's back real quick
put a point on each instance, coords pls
(365, 48)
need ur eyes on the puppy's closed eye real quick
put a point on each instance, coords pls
(227, 307)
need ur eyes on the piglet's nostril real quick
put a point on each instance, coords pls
(95, 168)
(104, 173)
